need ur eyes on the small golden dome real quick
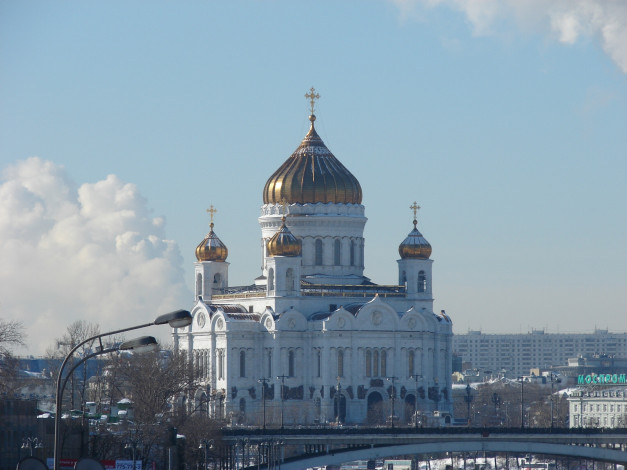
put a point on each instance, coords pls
(284, 243)
(211, 248)
(415, 246)
(312, 174)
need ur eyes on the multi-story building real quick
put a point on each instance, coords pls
(313, 339)
(517, 353)
(598, 408)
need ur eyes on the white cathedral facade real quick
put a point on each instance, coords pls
(312, 340)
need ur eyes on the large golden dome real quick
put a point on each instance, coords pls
(284, 243)
(211, 248)
(312, 174)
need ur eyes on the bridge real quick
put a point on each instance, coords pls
(295, 449)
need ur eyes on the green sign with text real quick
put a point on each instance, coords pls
(601, 379)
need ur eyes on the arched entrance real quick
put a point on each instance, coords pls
(375, 409)
(342, 413)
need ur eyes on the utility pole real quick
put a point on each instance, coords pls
(416, 377)
(393, 396)
(263, 382)
(282, 377)
(338, 399)
(468, 398)
(522, 401)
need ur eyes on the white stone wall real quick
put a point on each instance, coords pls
(376, 326)
(598, 408)
(324, 222)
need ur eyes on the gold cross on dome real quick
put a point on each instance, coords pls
(415, 208)
(212, 211)
(312, 96)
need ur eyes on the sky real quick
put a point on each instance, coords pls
(122, 122)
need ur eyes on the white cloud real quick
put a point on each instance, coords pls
(95, 253)
(565, 20)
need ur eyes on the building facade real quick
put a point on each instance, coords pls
(598, 408)
(516, 354)
(312, 340)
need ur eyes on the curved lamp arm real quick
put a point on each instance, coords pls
(176, 319)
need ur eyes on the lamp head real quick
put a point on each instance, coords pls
(176, 319)
(142, 344)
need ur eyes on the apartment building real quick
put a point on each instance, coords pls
(517, 353)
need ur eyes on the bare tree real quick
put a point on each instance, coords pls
(499, 404)
(198, 429)
(158, 384)
(76, 333)
(11, 334)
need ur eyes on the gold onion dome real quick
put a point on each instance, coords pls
(312, 174)
(284, 243)
(415, 246)
(211, 248)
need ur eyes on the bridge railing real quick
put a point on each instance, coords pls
(345, 430)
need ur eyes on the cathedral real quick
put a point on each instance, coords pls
(312, 340)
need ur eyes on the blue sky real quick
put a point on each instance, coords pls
(507, 123)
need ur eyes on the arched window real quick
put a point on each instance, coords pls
(198, 284)
(410, 363)
(202, 404)
(319, 363)
(242, 363)
(368, 363)
(221, 364)
(242, 405)
(318, 252)
(289, 279)
(361, 253)
(270, 279)
(217, 281)
(290, 363)
(375, 363)
(336, 252)
(340, 363)
(422, 282)
(352, 252)
(384, 363)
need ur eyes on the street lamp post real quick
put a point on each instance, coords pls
(436, 393)
(133, 444)
(338, 400)
(206, 444)
(558, 381)
(176, 319)
(496, 400)
(522, 402)
(416, 377)
(282, 377)
(392, 379)
(263, 382)
(468, 399)
(31, 443)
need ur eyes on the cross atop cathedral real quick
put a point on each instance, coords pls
(312, 96)
(415, 207)
(211, 211)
